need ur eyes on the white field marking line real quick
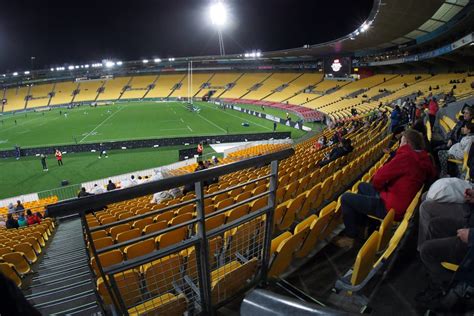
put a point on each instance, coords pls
(172, 129)
(100, 124)
(181, 119)
(226, 112)
(205, 119)
(190, 129)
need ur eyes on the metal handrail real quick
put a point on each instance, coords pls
(77, 205)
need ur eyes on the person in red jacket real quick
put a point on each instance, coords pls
(432, 110)
(393, 186)
(59, 157)
(31, 218)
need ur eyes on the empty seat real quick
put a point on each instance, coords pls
(103, 242)
(8, 270)
(128, 235)
(317, 226)
(166, 216)
(154, 227)
(237, 213)
(140, 248)
(99, 234)
(282, 250)
(165, 305)
(27, 250)
(365, 259)
(142, 223)
(19, 261)
(107, 259)
(128, 284)
(171, 237)
(114, 231)
(231, 278)
(160, 274)
(385, 230)
(180, 219)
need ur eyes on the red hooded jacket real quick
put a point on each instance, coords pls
(402, 177)
(433, 107)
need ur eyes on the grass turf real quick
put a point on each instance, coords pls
(126, 121)
(106, 123)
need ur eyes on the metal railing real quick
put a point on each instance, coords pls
(199, 263)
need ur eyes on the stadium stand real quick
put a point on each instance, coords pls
(16, 98)
(275, 82)
(40, 95)
(244, 83)
(88, 90)
(295, 87)
(63, 92)
(138, 87)
(219, 83)
(113, 88)
(199, 80)
(165, 85)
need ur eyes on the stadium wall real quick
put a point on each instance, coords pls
(146, 143)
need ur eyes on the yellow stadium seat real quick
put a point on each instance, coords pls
(282, 250)
(385, 230)
(107, 259)
(128, 284)
(160, 274)
(150, 228)
(19, 261)
(8, 270)
(237, 213)
(140, 248)
(166, 216)
(165, 305)
(365, 259)
(180, 219)
(142, 223)
(172, 237)
(115, 230)
(317, 226)
(27, 250)
(128, 235)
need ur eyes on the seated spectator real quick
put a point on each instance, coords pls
(457, 150)
(161, 196)
(395, 117)
(22, 222)
(215, 160)
(454, 136)
(19, 206)
(111, 186)
(393, 186)
(11, 222)
(344, 148)
(447, 240)
(189, 187)
(11, 208)
(97, 189)
(83, 193)
(321, 143)
(3, 224)
(31, 218)
(39, 215)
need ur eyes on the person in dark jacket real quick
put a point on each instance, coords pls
(111, 186)
(83, 193)
(344, 148)
(395, 117)
(11, 222)
(448, 240)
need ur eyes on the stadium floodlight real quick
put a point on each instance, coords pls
(157, 60)
(52, 69)
(218, 14)
(145, 61)
(171, 59)
(119, 63)
(86, 66)
(364, 27)
(109, 64)
(70, 67)
(15, 73)
(27, 72)
(77, 66)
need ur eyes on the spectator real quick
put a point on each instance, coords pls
(132, 180)
(432, 110)
(11, 208)
(200, 149)
(395, 117)
(321, 143)
(13, 300)
(215, 160)
(11, 222)
(161, 196)
(43, 162)
(455, 135)
(457, 150)
(22, 222)
(3, 224)
(31, 218)
(344, 147)
(83, 193)
(97, 189)
(393, 187)
(447, 240)
(111, 186)
(19, 206)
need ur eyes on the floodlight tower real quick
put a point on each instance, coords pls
(218, 15)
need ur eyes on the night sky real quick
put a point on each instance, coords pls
(62, 31)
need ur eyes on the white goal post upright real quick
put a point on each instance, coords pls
(190, 82)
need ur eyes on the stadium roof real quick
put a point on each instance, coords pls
(392, 23)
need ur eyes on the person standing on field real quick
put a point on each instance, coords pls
(43, 162)
(59, 157)
(199, 149)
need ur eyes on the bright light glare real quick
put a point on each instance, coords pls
(119, 63)
(27, 72)
(109, 64)
(157, 60)
(70, 67)
(218, 14)
(145, 61)
(15, 73)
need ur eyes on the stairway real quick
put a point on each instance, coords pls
(62, 282)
